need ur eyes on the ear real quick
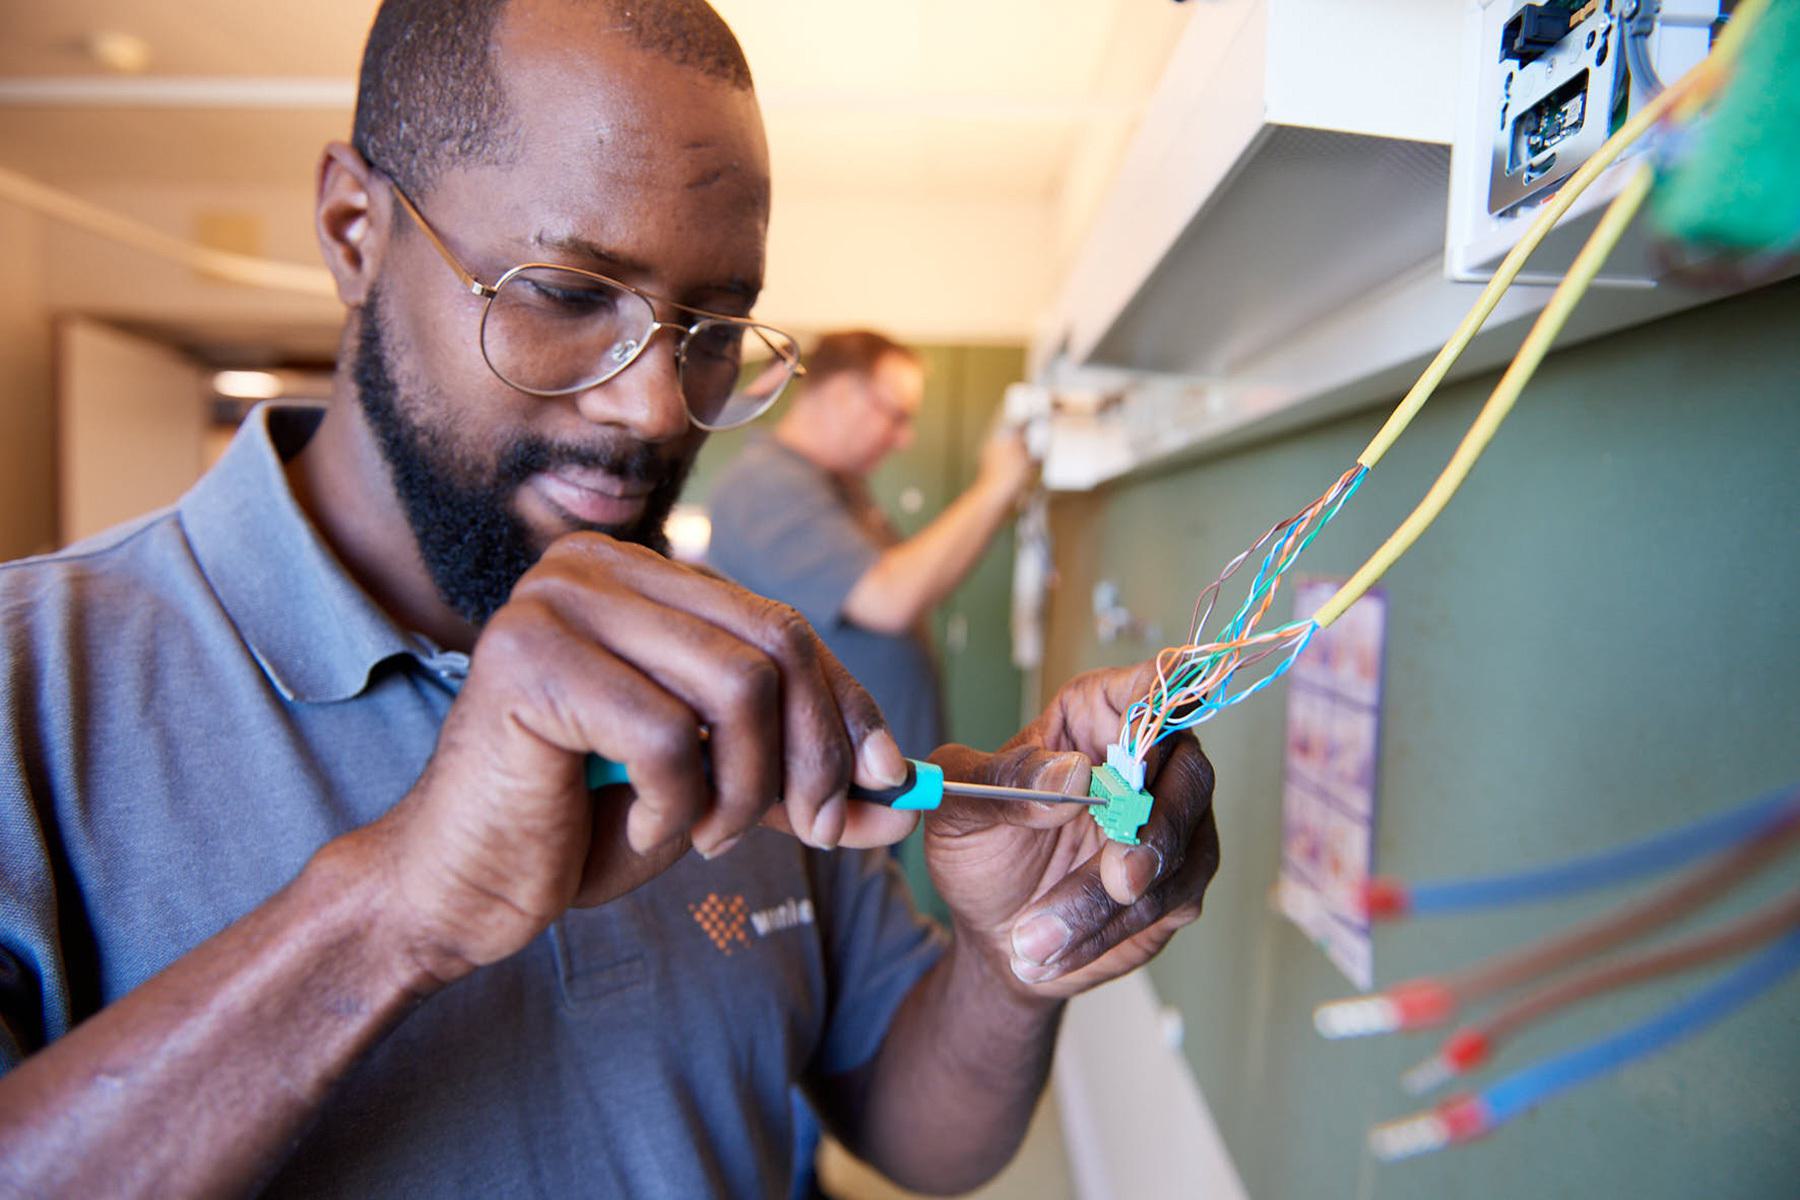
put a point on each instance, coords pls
(352, 224)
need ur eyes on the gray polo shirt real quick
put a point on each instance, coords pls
(788, 528)
(190, 705)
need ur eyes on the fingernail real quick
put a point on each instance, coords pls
(1040, 940)
(719, 849)
(828, 826)
(1060, 775)
(643, 832)
(880, 759)
(1030, 972)
(1142, 865)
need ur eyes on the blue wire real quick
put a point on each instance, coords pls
(1286, 664)
(1526, 1089)
(1233, 629)
(1222, 697)
(1355, 482)
(1279, 551)
(1659, 852)
(1219, 701)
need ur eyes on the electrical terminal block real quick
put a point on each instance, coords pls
(1120, 782)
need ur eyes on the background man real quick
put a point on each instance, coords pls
(300, 883)
(793, 519)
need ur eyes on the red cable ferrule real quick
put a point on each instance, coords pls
(1421, 1002)
(1385, 899)
(1465, 1050)
(1465, 1118)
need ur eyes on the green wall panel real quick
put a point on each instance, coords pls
(1597, 640)
(982, 687)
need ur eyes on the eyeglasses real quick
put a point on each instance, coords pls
(897, 416)
(551, 330)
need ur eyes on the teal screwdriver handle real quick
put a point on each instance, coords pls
(922, 790)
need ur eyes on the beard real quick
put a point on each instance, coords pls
(474, 545)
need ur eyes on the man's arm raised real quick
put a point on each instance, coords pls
(910, 579)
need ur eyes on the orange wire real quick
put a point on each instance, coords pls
(1157, 701)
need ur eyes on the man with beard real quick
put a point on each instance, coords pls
(301, 887)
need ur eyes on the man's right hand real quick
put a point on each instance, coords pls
(1006, 463)
(608, 648)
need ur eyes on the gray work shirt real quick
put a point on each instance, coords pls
(789, 529)
(192, 704)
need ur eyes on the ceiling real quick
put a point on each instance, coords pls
(927, 98)
(951, 149)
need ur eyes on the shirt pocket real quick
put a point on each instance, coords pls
(600, 955)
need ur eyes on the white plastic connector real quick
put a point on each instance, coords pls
(1129, 768)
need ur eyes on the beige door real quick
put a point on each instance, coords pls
(131, 424)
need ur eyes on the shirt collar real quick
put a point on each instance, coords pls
(317, 635)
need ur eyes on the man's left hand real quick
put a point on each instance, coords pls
(1038, 888)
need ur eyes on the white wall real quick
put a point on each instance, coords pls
(922, 270)
(1135, 1122)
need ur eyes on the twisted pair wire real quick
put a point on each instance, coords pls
(1217, 661)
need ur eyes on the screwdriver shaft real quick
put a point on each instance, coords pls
(983, 791)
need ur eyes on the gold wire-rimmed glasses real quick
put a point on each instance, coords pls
(551, 330)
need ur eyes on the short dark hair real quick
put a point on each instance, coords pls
(429, 97)
(852, 351)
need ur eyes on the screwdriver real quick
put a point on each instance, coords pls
(923, 789)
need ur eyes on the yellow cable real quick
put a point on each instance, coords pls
(1692, 88)
(1689, 93)
(1606, 235)
(1717, 65)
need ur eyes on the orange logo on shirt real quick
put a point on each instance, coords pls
(723, 919)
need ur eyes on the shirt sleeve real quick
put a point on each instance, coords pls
(877, 947)
(781, 530)
(34, 996)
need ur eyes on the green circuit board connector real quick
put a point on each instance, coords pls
(1126, 808)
